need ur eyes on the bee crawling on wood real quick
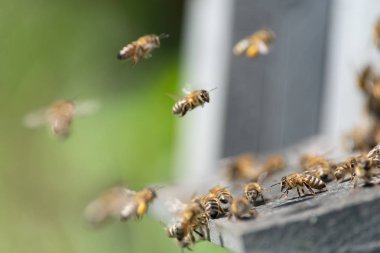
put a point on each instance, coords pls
(192, 219)
(253, 191)
(366, 169)
(212, 207)
(299, 181)
(316, 166)
(60, 114)
(119, 202)
(241, 209)
(192, 100)
(242, 167)
(256, 44)
(141, 48)
(342, 170)
(223, 195)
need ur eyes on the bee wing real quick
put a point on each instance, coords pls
(241, 46)
(36, 119)
(128, 210)
(86, 107)
(374, 152)
(109, 204)
(173, 96)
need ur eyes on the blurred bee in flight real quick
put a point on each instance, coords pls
(141, 48)
(256, 44)
(119, 202)
(59, 116)
(192, 100)
(299, 181)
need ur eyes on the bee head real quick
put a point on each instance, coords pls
(151, 193)
(204, 96)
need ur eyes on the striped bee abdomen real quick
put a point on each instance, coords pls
(314, 182)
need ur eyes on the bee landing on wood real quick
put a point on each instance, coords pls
(299, 181)
(241, 209)
(192, 100)
(256, 44)
(60, 115)
(141, 48)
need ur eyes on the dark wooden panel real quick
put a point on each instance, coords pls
(274, 100)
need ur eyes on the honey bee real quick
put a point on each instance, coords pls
(191, 218)
(108, 204)
(59, 116)
(299, 181)
(273, 164)
(241, 209)
(138, 204)
(366, 169)
(141, 48)
(376, 34)
(341, 170)
(256, 44)
(253, 191)
(192, 100)
(316, 165)
(212, 207)
(242, 167)
(223, 195)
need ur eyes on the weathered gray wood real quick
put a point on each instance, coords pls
(341, 219)
(274, 100)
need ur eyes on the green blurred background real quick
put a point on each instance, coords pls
(51, 50)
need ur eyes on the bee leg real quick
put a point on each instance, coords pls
(298, 191)
(262, 198)
(309, 188)
(192, 238)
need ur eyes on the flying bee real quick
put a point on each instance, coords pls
(141, 48)
(242, 167)
(192, 100)
(241, 209)
(376, 34)
(138, 205)
(223, 195)
(316, 165)
(253, 191)
(108, 204)
(59, 115)
(299, 181)
(211, 206)
(256, 44)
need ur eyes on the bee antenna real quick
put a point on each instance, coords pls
(163, 36)
(275, 184)
(213, 89)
